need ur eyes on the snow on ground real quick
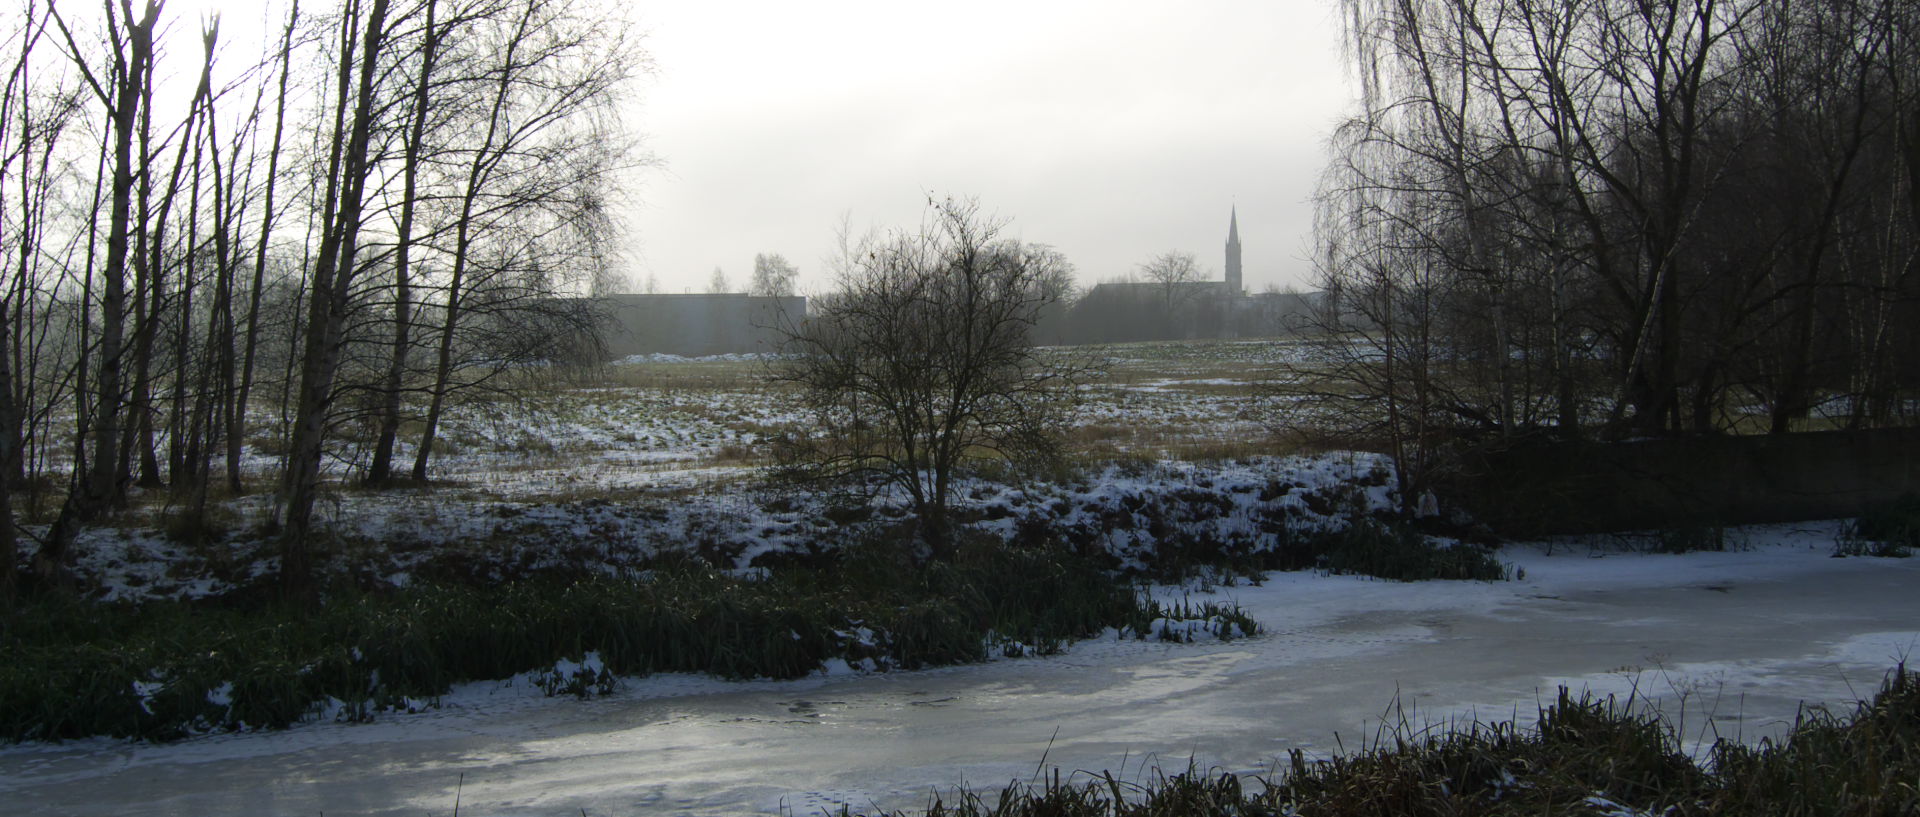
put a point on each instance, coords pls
(720, 409)
(1175, 384)
(1127, 512)
(697, 410)
(1293, 603)
(613, 474)
(1309, 601)
(731, 357)
(662, 426)
(1739, 638)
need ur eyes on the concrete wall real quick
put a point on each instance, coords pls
(693, 325)
(1591, 487)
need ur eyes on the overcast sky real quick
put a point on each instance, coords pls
(1110, 130)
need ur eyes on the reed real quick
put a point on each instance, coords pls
(165, 670)
(1582, 756)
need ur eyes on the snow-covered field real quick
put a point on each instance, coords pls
(663, 452)
(655, 429)
(1726, 643)
(1124, 511)
(664, 422)
(661, 456)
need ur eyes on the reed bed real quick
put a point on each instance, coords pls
(165, 670)
(1583, 756)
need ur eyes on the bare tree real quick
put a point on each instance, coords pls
(531, 185)
(120, 86)
(1171, 268)
(923, 363)
(1376, 380)
(236, 432)
(454, 175)
(17, 138)
(412, 148)
(363, 43)
(1057, 284)
(772, 276)
(717, 284)
(201, 421)
(1172, 272)
(1636, 217)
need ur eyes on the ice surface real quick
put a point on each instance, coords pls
(1730, 643)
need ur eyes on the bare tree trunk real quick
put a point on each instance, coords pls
(331, 290)
(382, 468)
(146, 279)
(82, 394)
(179, 444)
(484, 158)
(9, 461)
(152, 245)
(17, 91)
(236, 429)
(122, 93)
(9, 451)
(216, 379)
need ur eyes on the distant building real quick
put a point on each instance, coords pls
(696, 325)
(1234, 287)
(1183, 310)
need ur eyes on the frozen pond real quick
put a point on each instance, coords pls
(1737, 640)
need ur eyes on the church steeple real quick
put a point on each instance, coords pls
(1234, 286)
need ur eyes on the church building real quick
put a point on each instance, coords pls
(1179, 310)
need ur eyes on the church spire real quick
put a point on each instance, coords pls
(1234, 286)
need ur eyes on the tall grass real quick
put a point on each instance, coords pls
(165, 670)
(1366, 546)
(1584, 756)
(1400, 552)
(1888, 529)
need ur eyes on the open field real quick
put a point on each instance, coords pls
(662, 426)
(663, 422)
(664, 454)
(604, 495)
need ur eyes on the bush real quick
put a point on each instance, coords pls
(1691, 538)
(1889, 529)
(1400, 552)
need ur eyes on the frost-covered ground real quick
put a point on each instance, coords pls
(1127, 512)
(660, 458)
(1728, 643)
(597, 461)
(663, 421)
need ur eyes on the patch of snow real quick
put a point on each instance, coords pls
(222, 695)
(145, 690)
(1608, 808)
